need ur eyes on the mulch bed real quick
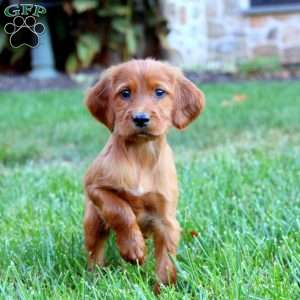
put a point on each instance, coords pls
(25, 83)
(18, 82)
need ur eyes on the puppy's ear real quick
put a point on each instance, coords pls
(189, 103)
(98, 101)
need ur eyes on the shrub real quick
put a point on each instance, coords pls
(260, 65)
(99, 31)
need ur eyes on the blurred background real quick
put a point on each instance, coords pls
(241, 38)
(238, 164)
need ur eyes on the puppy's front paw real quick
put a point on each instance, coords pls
(132, 246)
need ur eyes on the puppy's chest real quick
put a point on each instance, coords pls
(137, 191)
(142, 185)
(139, 180)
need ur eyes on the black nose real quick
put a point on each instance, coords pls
(141, 119)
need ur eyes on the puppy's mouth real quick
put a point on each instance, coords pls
(142, 136)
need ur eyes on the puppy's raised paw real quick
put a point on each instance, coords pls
(132, 246)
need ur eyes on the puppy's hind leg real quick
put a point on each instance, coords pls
(95, 235)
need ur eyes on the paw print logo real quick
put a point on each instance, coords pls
(24, 31)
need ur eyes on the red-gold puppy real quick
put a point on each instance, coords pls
(131, 187)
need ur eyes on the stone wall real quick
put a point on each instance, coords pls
(187, 38)
(216, 34)
(226, 34)
(275, 35)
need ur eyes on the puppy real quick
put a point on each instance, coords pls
(131, 187)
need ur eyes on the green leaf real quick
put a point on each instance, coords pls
(82, 6)
(116, 40)
(72, 63)
(2, 41)
(131, 41)
(17, 54)
(163, 40)
(114, 10)
(120, 24)
(87, 47)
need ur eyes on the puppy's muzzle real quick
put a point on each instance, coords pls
(140, 119)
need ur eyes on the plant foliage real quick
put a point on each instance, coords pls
(99, 31)
(124, 29)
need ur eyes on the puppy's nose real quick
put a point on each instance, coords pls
(140, 119)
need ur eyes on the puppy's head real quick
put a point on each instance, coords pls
(141, 99)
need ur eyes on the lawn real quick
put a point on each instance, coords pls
(239, 172)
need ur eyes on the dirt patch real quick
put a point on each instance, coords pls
(17, 82)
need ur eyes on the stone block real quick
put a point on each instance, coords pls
(266, 50)
(231, 7)
(226, 47)
(291, 55)
(291, 35)
(272, 33)
(182, 15)
(215, 30)
(213, 8)
(282, 17)
(259, 21)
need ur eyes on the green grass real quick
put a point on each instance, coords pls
(239, 172)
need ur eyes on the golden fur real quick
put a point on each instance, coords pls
(131, 187)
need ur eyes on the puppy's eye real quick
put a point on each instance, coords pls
(159, 93)
(125, 94)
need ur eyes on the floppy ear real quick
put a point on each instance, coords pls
(189, 103)
(98, 102)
